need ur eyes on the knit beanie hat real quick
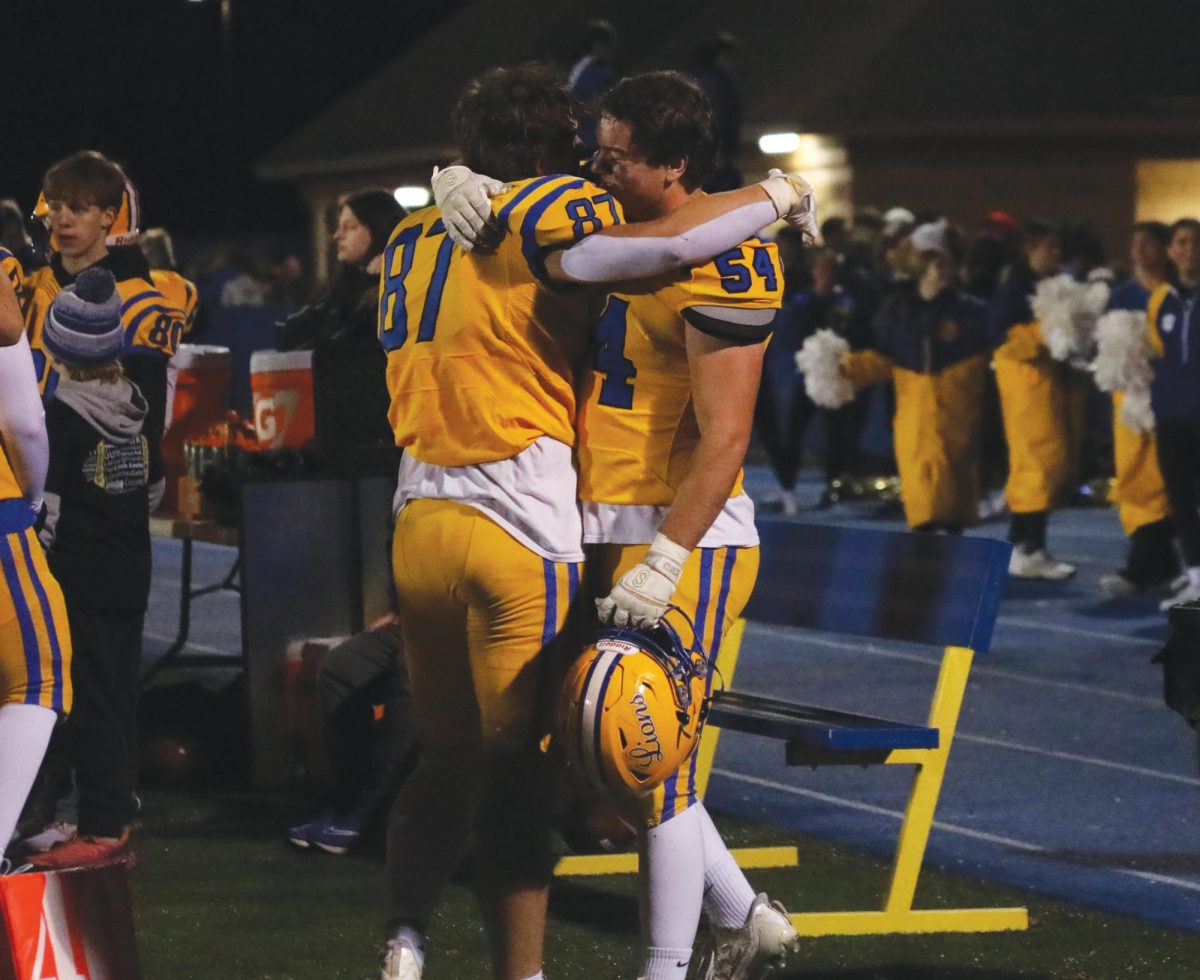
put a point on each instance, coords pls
(84, 325)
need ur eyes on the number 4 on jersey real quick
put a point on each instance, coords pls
(616, 391)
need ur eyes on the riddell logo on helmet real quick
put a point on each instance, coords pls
(648, 751)
(623, 647)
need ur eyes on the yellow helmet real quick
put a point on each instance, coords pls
(631, 709)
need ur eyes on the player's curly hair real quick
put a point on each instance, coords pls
(670, 118)
(513, 123)
(86, 177)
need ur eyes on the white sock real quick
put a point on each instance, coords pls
(414, 939)
(671, 891)
(1194, 577)
(537, 976)
(666, 964)
(727, 894)
(24, 734)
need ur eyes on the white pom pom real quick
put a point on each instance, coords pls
(1122, 352)
(1067, 311)
(1136, 412)
(819, 359)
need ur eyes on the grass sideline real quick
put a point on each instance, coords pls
(218, 894)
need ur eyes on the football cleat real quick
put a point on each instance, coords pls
(52, 836)
(631, 709)
(400, 961)
(749, 952)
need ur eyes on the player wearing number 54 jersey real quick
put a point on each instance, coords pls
(91, 205)
(665, 419)
(482, 350)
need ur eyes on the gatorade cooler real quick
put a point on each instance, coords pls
(68, 924)
(281, 388)
(197, 399)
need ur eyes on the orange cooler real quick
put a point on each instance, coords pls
(197, 399)
(281, 388)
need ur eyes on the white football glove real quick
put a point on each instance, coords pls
(642, 595)
(465, 200)
(794, 202)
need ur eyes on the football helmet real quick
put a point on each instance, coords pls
(632, 707)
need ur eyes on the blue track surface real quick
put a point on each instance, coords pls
(1069, 777)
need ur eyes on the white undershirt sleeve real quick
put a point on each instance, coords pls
(606, 258)
(23, 420)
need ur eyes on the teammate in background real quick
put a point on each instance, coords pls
(1138, 488)
(1174, 324)
(665, 417)
(481, 348)
(10, 265)
(103, 473)
(92, 213)
(180, 293)
(1042, 408)
(35, 643)
(14, 237)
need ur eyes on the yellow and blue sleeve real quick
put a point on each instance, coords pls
(152, 324)
(554, 212)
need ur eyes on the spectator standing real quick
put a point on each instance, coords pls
(346, 313)
(103, 466)
(783, 409)
(1039, 401)
(1138, 489)
(931, 341)
(1175, 394)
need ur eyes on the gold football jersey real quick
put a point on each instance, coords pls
(152, 322)
(180, 294)
(637, 428)
(482, 350)
(9, 488)
(10, 265)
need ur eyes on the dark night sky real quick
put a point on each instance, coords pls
(141, 80)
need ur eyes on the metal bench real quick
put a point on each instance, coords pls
(929, 589)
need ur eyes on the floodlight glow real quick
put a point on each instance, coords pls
(779, 142)
(412, 196)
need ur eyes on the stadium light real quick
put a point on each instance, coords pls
(779, 142)
(412, 196)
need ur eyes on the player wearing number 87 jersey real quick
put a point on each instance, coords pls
(482, 347)
(88, 200)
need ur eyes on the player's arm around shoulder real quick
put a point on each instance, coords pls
(474, 208)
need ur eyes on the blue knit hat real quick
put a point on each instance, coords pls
(84, 324)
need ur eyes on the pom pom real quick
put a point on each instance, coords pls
(94, 285)
(1067, 311)
(1122, 352)
(1136, 412)
(820, 361)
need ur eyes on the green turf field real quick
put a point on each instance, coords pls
(220, 896)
